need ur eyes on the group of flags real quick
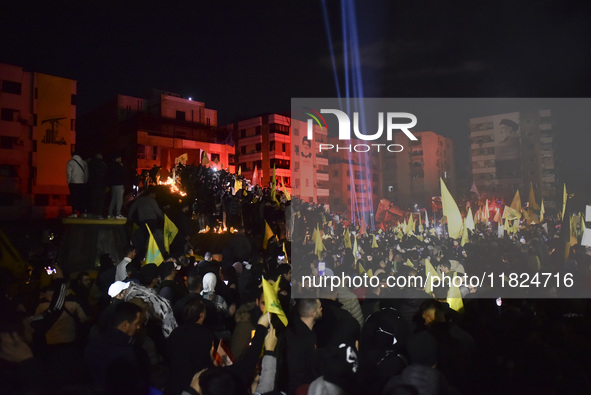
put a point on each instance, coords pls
(153, 254)
(508, 218)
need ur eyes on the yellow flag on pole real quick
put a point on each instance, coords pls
(451, 212)
(268, 234)
(470, 220)
(285, 253)
(430, 273)
(573, 229)
(542, 211)
(272, 303)
(347, 239)
(564, 199)
(410, 226)
(204, 158)
(284, 189)
(318, 244)
(374, 243)
(420, 223)
(355, 249)
(360, 268)
(170, 232)
(516, 204)
(274, 188)
(153, 255)
(454, 297)
(465, 238)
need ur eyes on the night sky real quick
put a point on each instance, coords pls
(249, 57)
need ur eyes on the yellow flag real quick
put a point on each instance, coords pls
(347, 239)
(532, 198)
(237, 185)
(285, 253)
(515, 226)
(268, 234)
(409, 263)
(470, 220)
(516, 204)
(410, 226)
(170, 232)
(486, 213)
(272, 304)
(420, 223)
(239, 170)
(374, 243)
(287, 194)
(465, 238)
(451, 212)
(497, 217)
(360, 268)
(11, 259)
(355, 249)
(274, 188)
(204, 158)
(542, 211)
(511, 214)
(454, 298)
(318, 244)
(573, 229)
(153, 255)
(564, 199)
(430, 273)
(370, 273)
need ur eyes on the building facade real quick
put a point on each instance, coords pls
(265, 142)
(37, 137)
(355, 181)
(411, 177)
(513, 151)
(155, 130)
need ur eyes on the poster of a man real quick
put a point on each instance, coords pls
(508, 149)
(306, 145)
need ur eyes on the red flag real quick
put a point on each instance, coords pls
(223, 355)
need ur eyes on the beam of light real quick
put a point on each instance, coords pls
(353, 84)
(331, 48)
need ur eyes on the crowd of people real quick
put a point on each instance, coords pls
(236, 320)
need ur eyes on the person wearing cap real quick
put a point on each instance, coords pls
(159, 308)
(117, 292)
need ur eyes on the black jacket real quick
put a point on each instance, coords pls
(115, 364)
